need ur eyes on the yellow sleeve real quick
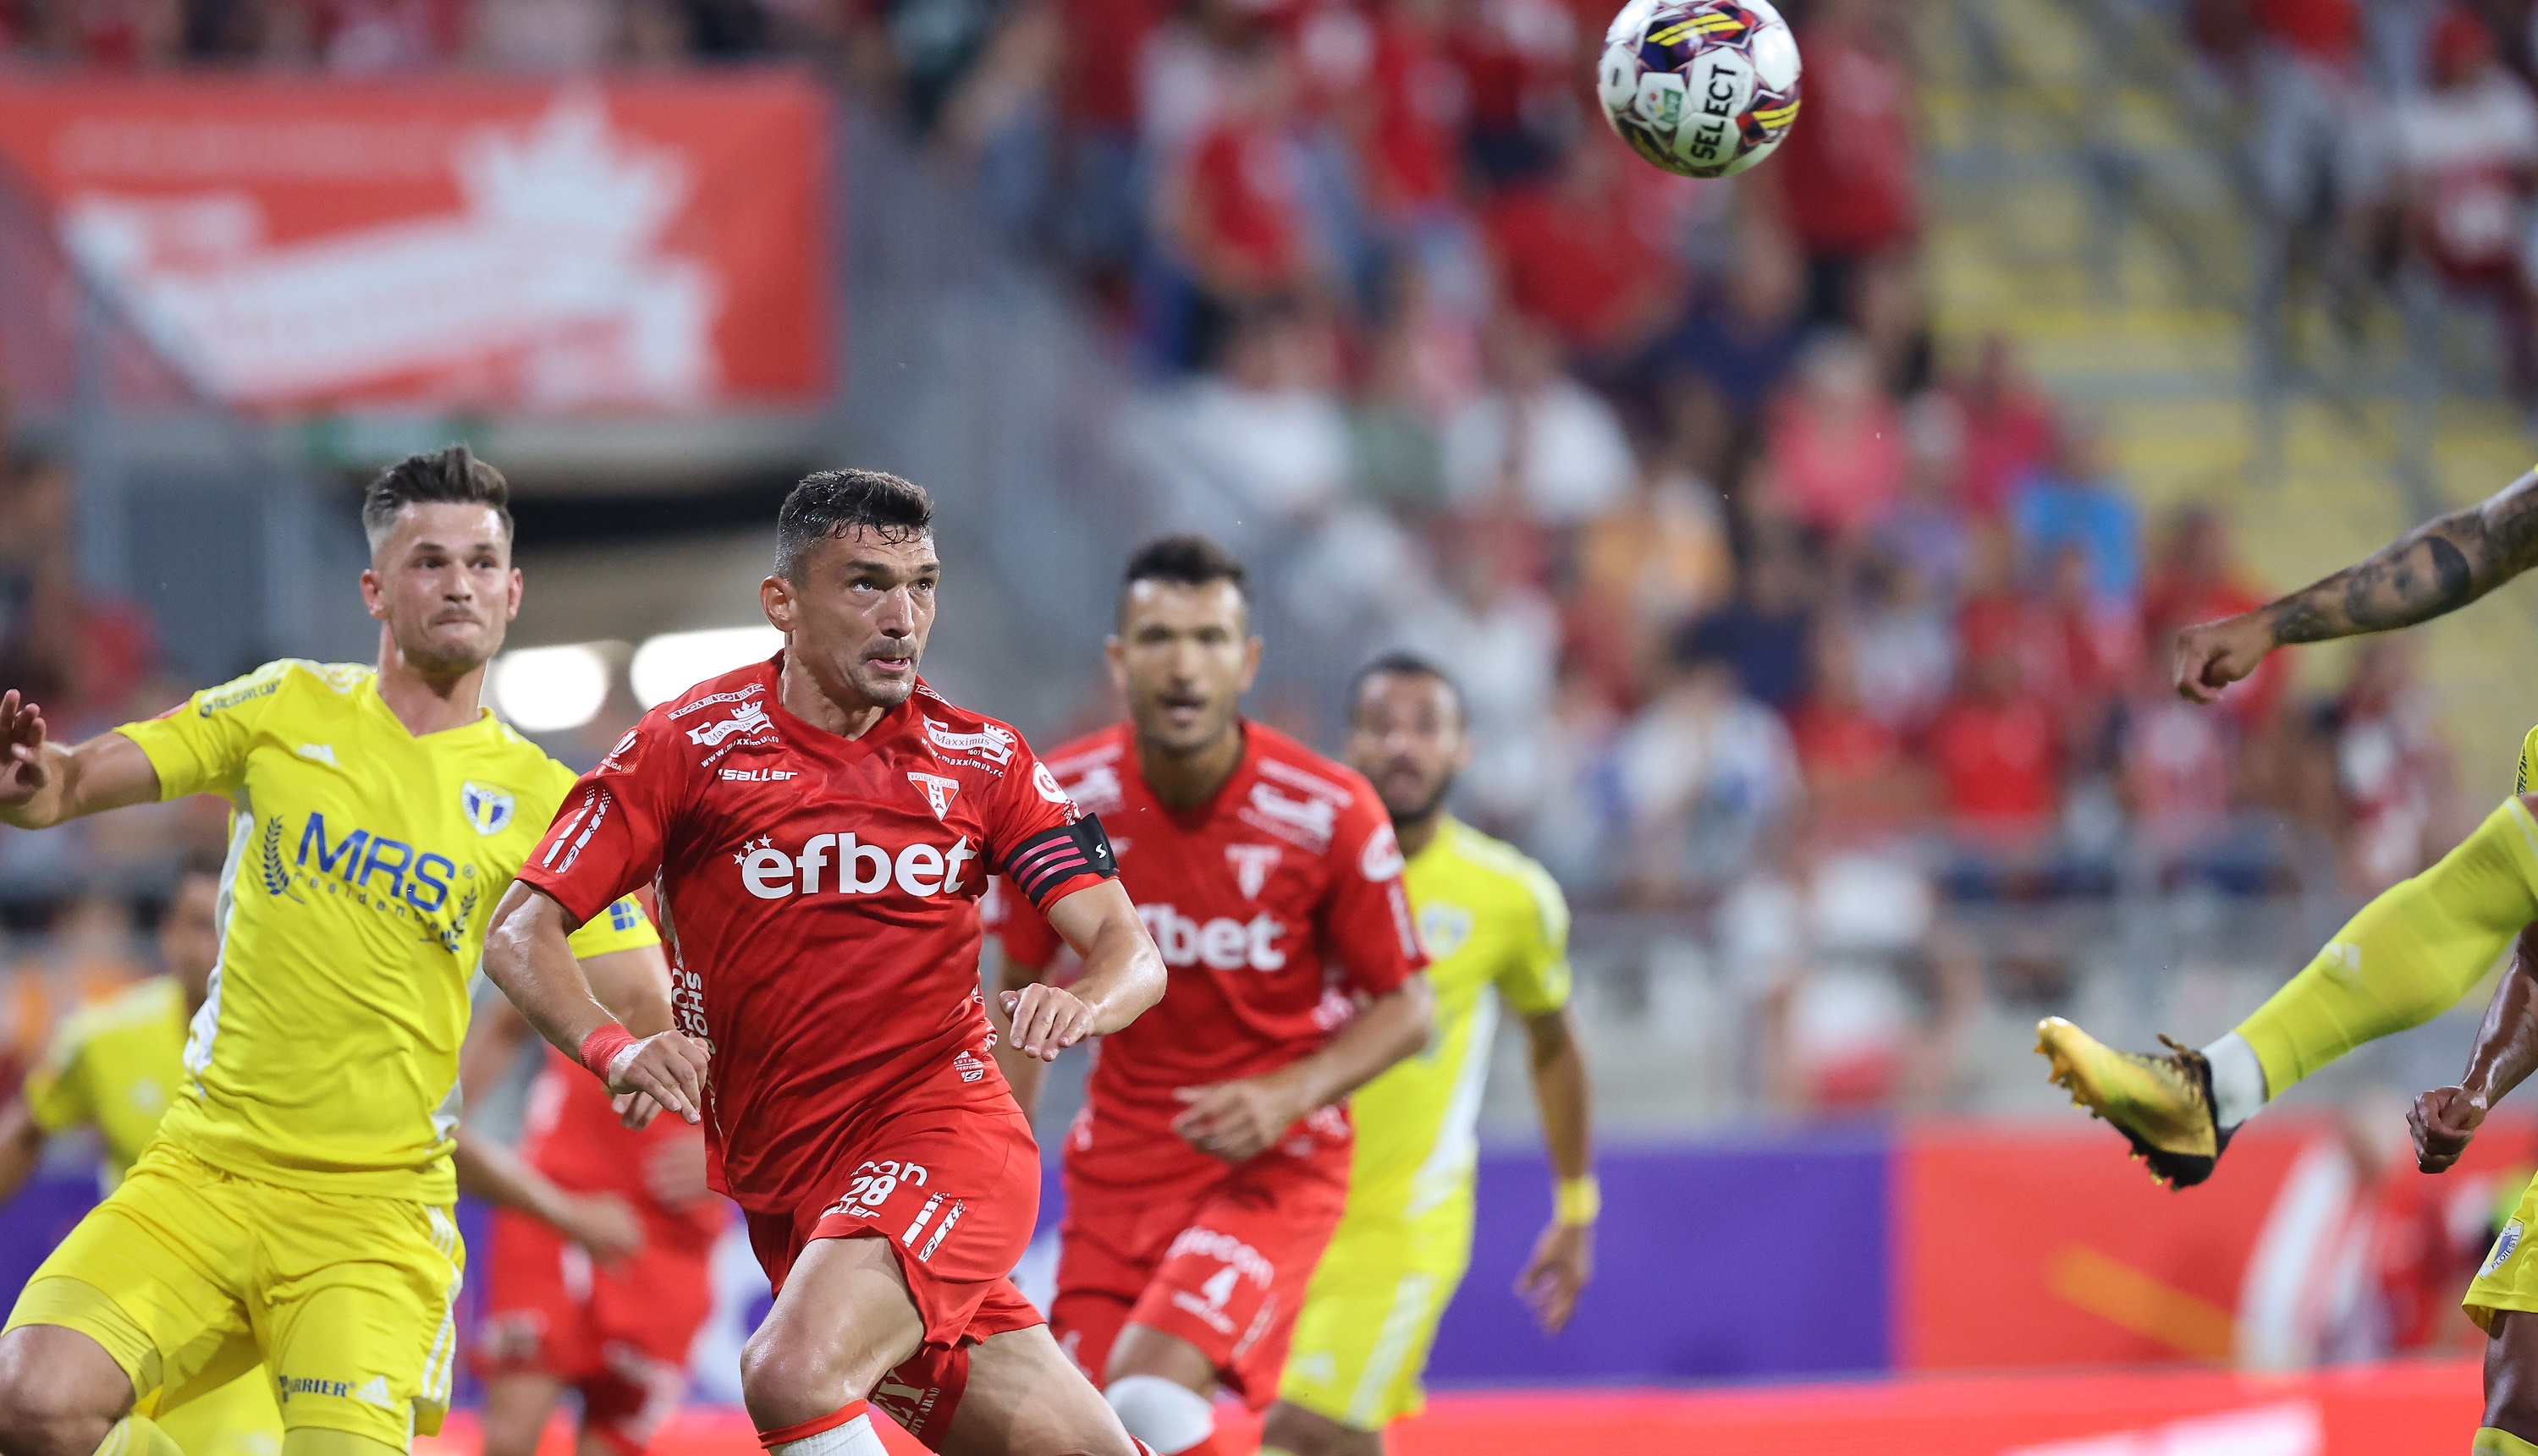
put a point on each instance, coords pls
(56, 1088)
(2528, 774)
(200, 745)
(1536, 978)
(623, 926)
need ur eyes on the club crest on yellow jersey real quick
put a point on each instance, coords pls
(487, 810)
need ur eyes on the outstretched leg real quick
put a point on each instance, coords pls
(2407, 956)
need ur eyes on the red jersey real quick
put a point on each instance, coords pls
(820, 904)
(1273, 903)
(573, 1135)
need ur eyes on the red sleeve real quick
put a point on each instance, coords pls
(1366, 914)
(606, 840)
(1038, 843)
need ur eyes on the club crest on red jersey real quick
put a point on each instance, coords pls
(939, 791)
(1252, 865)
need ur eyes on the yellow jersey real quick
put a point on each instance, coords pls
(1495, 928)
(113, 1066)
(364, 865)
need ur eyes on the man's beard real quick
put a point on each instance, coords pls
(1428, 808)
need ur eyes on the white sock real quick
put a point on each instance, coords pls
(1164, 1413)
(2238, 1080)
(853, 1439)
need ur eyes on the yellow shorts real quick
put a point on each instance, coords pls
(1369, 1317)
(237, 1420)
(188, 1276)
(2509, 1277)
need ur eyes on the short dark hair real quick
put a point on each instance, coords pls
(1402, 663)
(1187, 560)
(452, 474)
(832, 503)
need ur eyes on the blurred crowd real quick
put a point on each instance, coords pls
(2397, 133)
(1773, 613)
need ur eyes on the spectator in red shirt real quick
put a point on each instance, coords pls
(1517, 59)
(1845, 173)
(1837, 448)
(1397, 96)
(1995, 752)
(2196, 577)
(1236, 207)
(1584, 252)
(2008, 428)
(1859, 775)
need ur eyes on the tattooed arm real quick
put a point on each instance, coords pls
(2439, 567)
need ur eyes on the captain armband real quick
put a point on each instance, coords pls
(1053, 856)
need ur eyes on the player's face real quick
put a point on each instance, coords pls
(858, 619)
(1184, 658)
(444, 584)
(1406, 736)
(189, 936)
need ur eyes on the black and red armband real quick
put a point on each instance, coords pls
(1042, 864)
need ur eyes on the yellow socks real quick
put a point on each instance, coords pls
(2408, 956)
(138, 1435)
(2493, 1442)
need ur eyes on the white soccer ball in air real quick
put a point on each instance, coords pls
(1704, 88)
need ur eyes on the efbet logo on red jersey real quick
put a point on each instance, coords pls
(841, 864)
(1221, 944)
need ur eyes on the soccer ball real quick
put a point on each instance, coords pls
(1704, 88)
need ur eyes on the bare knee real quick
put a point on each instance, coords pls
(60, 1392)
(786, 1380)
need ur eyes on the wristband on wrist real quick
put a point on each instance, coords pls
(601, 1047)
(1577, 1202)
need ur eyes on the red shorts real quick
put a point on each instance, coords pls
(1223, 1267)
(954, 1191)
(617, 1333)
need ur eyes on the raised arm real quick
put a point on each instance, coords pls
(2446, 1119)
(2439, 567)
(1239, 1120)
(43, 783)
(529, 954)
(1123, 975)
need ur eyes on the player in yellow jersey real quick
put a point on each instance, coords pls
(2407, 956)
(1497, 930)
(113, 1068)
(294, 1208)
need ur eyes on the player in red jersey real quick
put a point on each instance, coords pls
(819, 828)
(1210, 1164)
(610, 1321)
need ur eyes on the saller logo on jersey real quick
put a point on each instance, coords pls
(921, 870)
